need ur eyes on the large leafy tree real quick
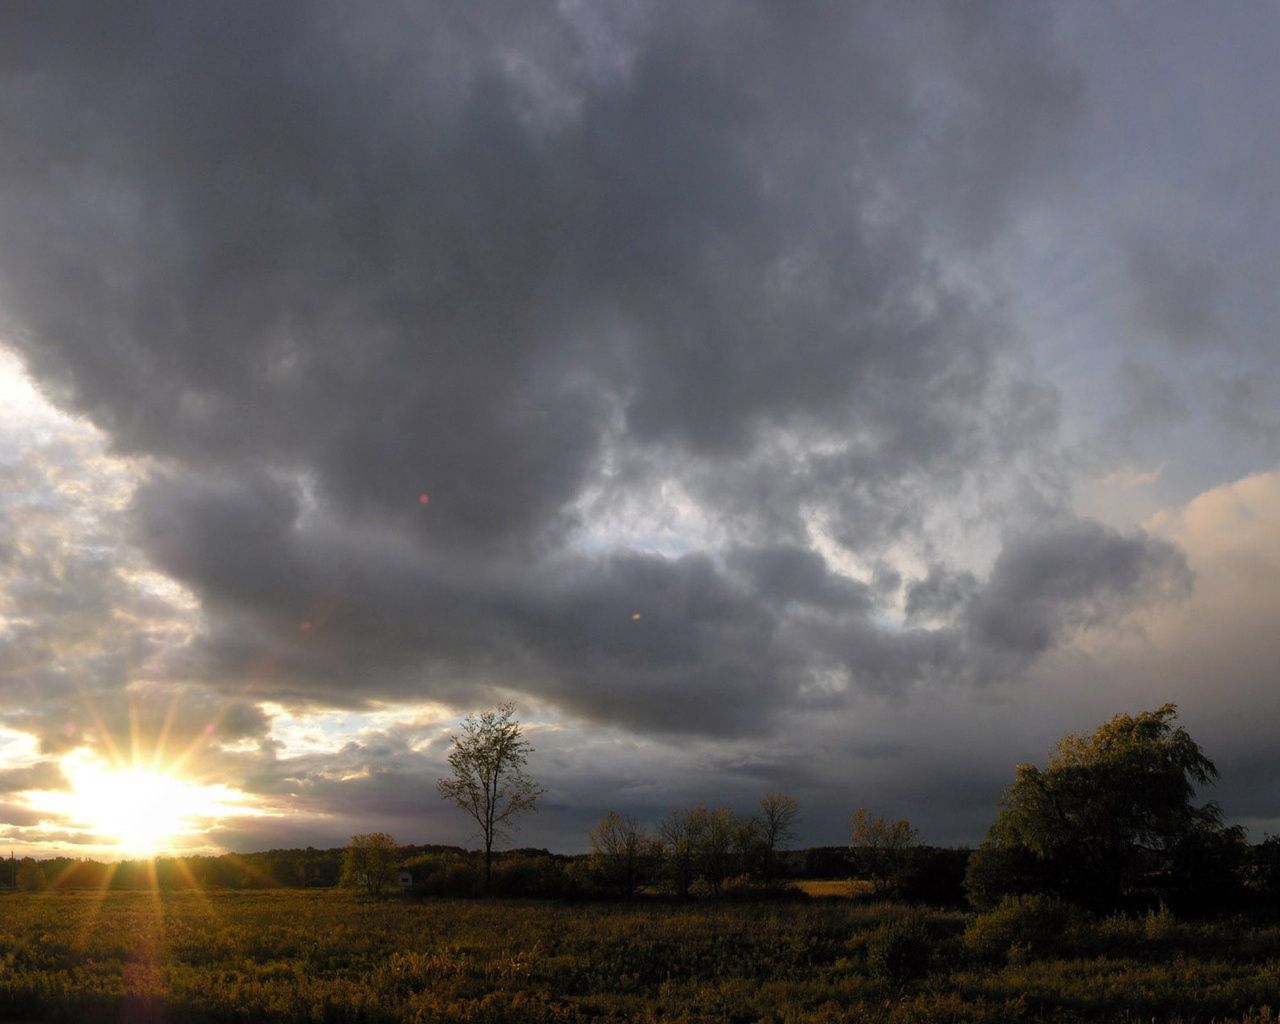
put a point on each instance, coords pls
(487, 775)
(1110, 820)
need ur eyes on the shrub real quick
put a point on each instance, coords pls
(899, 951)
(527, 876)
(1029, 926)
(934, 876)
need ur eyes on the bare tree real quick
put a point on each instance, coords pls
(488, 778)
(775, 827)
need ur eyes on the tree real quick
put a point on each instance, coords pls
(716, 831)
(621, 852)
(883, 850)
(774, 828)
(31, 877)
(488, 778)
(699, 843)
(370, 861)
(1109, 822)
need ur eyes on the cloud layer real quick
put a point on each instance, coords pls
(654, 364)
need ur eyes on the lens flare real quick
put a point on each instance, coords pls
(141, 811)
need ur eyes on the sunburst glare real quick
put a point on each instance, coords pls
(139, 810)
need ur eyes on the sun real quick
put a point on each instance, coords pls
(139, 811)
(143, 811)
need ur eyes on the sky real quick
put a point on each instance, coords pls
(844, 400)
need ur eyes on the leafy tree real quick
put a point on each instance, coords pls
(883, 850)
(31, 876)
(1262, 872)
(1109, 822)
(621, 852)
(488, 778)
(370, 861)
(774, 828)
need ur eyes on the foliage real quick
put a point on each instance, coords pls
(1109, 821)
(881, 851)
(1020, 927)
(31, 876)
(934, 875)
(1262, 870)
(622, 854)
(487, 775)
(678, 835)
(370, 862)
(718, 831)
(702, 845)
(899, 951)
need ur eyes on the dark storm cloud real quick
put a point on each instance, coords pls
(939, 594)
(386, 296)
(791, 574)
(1069, 576)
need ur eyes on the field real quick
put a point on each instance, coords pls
(331, 956)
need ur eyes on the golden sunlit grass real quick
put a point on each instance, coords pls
(306, 955)
(842, 887)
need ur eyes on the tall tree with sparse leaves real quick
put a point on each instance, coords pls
(775, 827)
(488, 778)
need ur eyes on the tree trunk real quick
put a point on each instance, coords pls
(488, 864)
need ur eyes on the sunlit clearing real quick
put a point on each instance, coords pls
(142, 811)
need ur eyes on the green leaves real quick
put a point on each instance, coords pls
(1107, 822)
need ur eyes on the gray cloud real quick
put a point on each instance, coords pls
(321, 279)
(630, 358)
(1069, 576)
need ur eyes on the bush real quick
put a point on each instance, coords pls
(445, 874)
(527, 876)
(1028, 926)
(899, 951)
(994, 872)
(934, 876)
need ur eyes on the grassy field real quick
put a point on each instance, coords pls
(839, 887)
(331, 956)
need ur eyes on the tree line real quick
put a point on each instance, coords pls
(1110, 822)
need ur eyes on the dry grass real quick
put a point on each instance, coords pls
(844, 887)
(289, 956)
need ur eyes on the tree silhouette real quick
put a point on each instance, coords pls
(488, 778)
(1109, 821)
